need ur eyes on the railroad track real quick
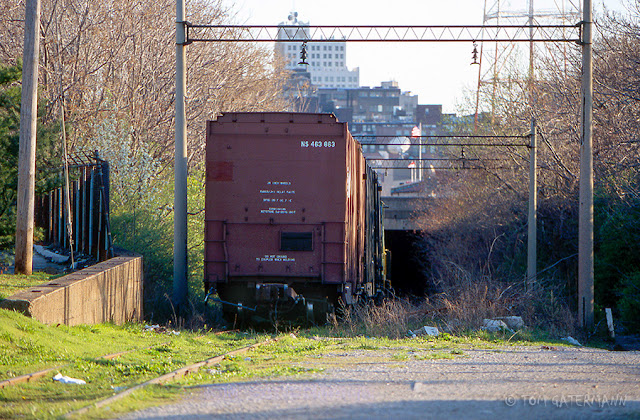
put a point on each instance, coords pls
(176, 374)
(39, 374)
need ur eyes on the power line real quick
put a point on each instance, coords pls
(462, 159)
(412, 140)
(449, 144)
(452, 136)
(463, 168)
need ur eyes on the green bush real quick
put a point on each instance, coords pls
(46, 156)
(629, 303)
(617, 260)
(148, 230)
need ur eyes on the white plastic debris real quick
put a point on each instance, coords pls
(572, 341)
(430, 331)
(160, 330)
(67, 380)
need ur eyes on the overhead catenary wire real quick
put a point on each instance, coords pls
(417, 140)
(472, 168)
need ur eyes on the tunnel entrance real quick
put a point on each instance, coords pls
(409, 263)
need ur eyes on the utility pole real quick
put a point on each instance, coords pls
(585, 224)
(180, 169)
(532, 237)
(27, 151)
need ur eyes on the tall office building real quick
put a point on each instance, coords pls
(327, 59)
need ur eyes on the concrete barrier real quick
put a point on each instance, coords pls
(110, 291)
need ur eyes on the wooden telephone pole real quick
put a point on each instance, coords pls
(27, 153)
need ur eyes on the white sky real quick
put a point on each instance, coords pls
(439, 73)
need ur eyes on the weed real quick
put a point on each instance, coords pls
(25, 328)
(368, 346)
(436, 355)
(400, 356)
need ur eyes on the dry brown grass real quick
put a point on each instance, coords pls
(461, 310)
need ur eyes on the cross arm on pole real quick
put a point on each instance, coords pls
(384, 33)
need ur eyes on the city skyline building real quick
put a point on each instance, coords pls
(326, 60)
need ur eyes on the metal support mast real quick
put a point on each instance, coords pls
(532, 238)
(585, 233)
(180, 175)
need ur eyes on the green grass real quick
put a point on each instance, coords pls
(11, 284)
(27, 346)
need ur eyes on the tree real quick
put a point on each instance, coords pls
(479, 225)
(10, 77)
(115, 60)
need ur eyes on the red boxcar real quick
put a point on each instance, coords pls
(288, 214)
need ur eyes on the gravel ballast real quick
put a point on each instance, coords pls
(512, 382)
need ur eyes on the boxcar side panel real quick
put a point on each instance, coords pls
(275, 198)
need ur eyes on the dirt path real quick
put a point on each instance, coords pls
(522, 383)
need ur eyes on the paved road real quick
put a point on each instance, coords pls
(522, 383)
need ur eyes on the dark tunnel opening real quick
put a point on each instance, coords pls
(409, 264)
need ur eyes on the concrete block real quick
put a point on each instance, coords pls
(110, 291)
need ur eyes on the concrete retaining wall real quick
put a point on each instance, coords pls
(110, 291)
